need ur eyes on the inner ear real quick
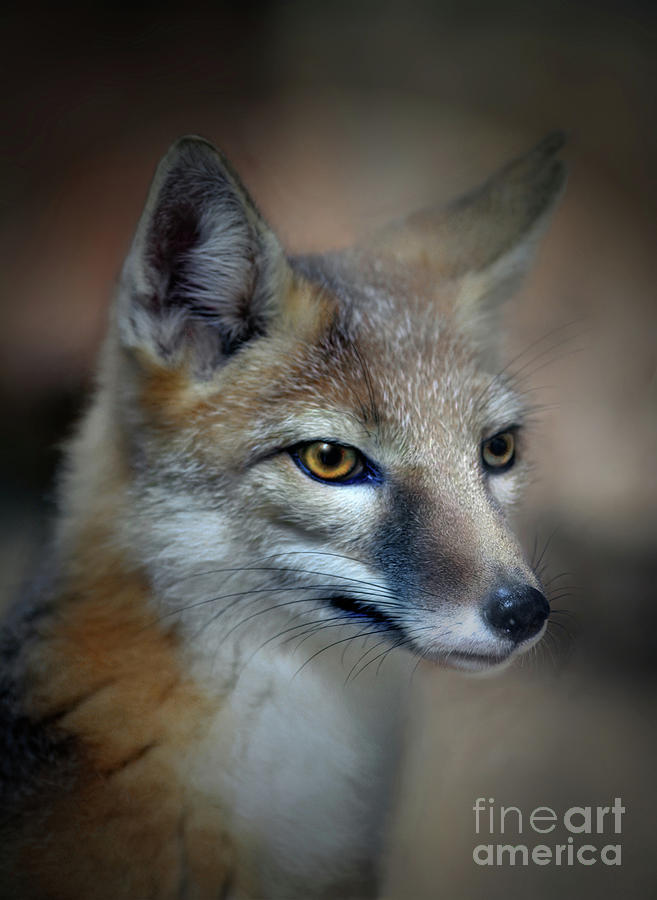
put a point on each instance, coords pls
(205, 270)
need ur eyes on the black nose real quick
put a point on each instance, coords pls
(516, 611)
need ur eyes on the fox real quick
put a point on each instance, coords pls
(292, 469)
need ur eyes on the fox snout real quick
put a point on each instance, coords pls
(477, 632)
(516, 611)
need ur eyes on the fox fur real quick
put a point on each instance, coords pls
(188, 705)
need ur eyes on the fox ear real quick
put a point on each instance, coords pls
(204, 269)
(484, 242)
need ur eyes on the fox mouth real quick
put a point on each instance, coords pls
(367, 613)
(474, 662)
(370, 615)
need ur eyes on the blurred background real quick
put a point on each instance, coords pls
(340, 116)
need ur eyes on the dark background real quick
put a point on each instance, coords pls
(340, 116)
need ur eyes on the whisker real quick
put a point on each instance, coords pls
(421, 658)
(545, 548)
(548, 362)
(361, 658)
(562, 595)
(319, 625)
(389, 605)
(561, 611)
(554, 578)
(284, 569)
(408, 635)
(279, 634)
(511, 377)
(382, 599)
(335, 644)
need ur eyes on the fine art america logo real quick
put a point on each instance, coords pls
(582, 835)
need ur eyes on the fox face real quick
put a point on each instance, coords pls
(315, 443)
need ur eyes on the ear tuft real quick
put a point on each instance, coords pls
(204, 267)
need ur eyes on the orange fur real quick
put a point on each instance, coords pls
(110, 676)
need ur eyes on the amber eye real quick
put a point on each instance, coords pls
(498, 452)
(330, 462)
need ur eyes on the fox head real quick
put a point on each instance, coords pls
(322, 439)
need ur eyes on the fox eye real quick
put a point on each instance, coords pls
(333, 463)
(498, 452)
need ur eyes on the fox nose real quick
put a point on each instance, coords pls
(516, 611)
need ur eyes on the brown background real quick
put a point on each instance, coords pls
(340, 116)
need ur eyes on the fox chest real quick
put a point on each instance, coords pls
(303, 769)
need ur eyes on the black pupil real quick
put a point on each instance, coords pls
(331, 456)
(499, 446)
